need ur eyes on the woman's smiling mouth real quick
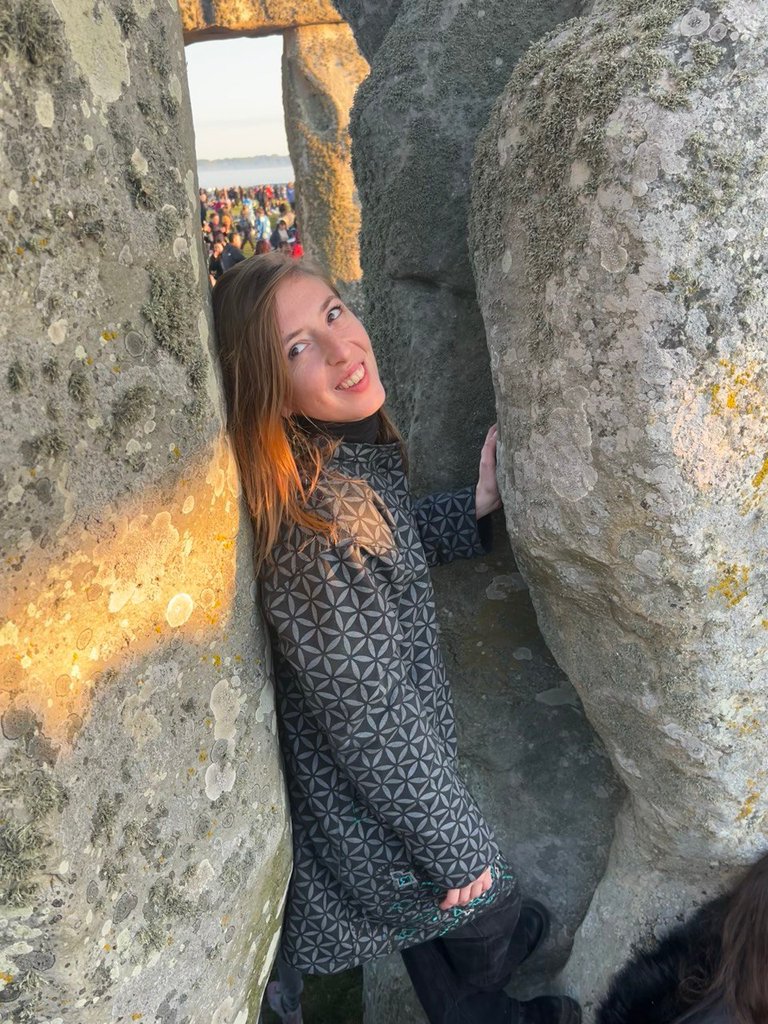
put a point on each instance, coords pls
(355, 378)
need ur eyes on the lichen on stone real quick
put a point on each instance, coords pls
(131, 406)
(170, 309)
(78, 385)
(563, 91)
(51, 443)
(142, 190)
(29, 28)
(16, 376)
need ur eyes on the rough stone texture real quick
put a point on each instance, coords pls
(370, 19)
(216, 19)
(322, 68)
(620, 204)
(432, 84)
(144, 841)
(529, 756)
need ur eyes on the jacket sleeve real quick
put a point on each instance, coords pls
(449, 528)
(337, 627)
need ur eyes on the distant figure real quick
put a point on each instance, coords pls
(279, 235)
(713, 969)
(290, 194)
(287, 215)
(214, 263)
(262, 247)
(232, 253)
(261, 227)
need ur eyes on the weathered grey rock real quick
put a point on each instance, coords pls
(144, 844)
(322, 68)
(370, 19)
(433, 81)
(620, 203)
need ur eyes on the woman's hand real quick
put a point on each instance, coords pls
(461, 897)
(487, 497)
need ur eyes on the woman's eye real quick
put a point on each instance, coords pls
(294, 350)
(334, 313)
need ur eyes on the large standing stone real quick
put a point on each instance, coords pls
(434, 79)
(370, 19)
(322, 68)
(144, 842)
(619, 238)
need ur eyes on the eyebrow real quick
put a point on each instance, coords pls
(331, 298)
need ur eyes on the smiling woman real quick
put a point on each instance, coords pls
(332, 368)
(391, 852)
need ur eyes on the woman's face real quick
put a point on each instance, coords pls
(331, 364)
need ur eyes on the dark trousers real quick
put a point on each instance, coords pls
(460, 977)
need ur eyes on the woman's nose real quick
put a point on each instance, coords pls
(337, 349)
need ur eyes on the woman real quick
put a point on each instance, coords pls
(711, 970)
(390, 850)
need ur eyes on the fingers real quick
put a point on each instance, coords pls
(461, 897)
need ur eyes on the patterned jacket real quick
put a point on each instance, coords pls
(382, 821)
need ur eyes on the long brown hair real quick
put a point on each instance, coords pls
(280, 464)
(742, 975)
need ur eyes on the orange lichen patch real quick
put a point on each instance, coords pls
(119, 592)
(7, 978)
(749, 805)
(732, 585)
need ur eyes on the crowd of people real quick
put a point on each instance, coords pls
(237, 222)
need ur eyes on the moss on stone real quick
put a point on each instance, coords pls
(78, 385)
(50, 370)
(51, 443)
(16, 376)
(30, 29)
(105, 816)
(131, 406)
(142, 190)
(167, 222)
(169, 310)
(127, 18)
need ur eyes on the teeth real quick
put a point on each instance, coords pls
(356, 377)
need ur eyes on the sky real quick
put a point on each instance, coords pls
(237, 97)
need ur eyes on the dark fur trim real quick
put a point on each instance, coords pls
(647, 990)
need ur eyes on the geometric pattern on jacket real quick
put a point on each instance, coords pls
(382, 821)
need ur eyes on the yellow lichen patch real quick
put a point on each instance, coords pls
(7, 978)
(109, 335)
(76, 617)
(749, 805)
(732, 584)
(761, 474)
(136, 1016)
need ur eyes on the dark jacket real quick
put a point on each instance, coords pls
(383, 823)
(647, 989)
